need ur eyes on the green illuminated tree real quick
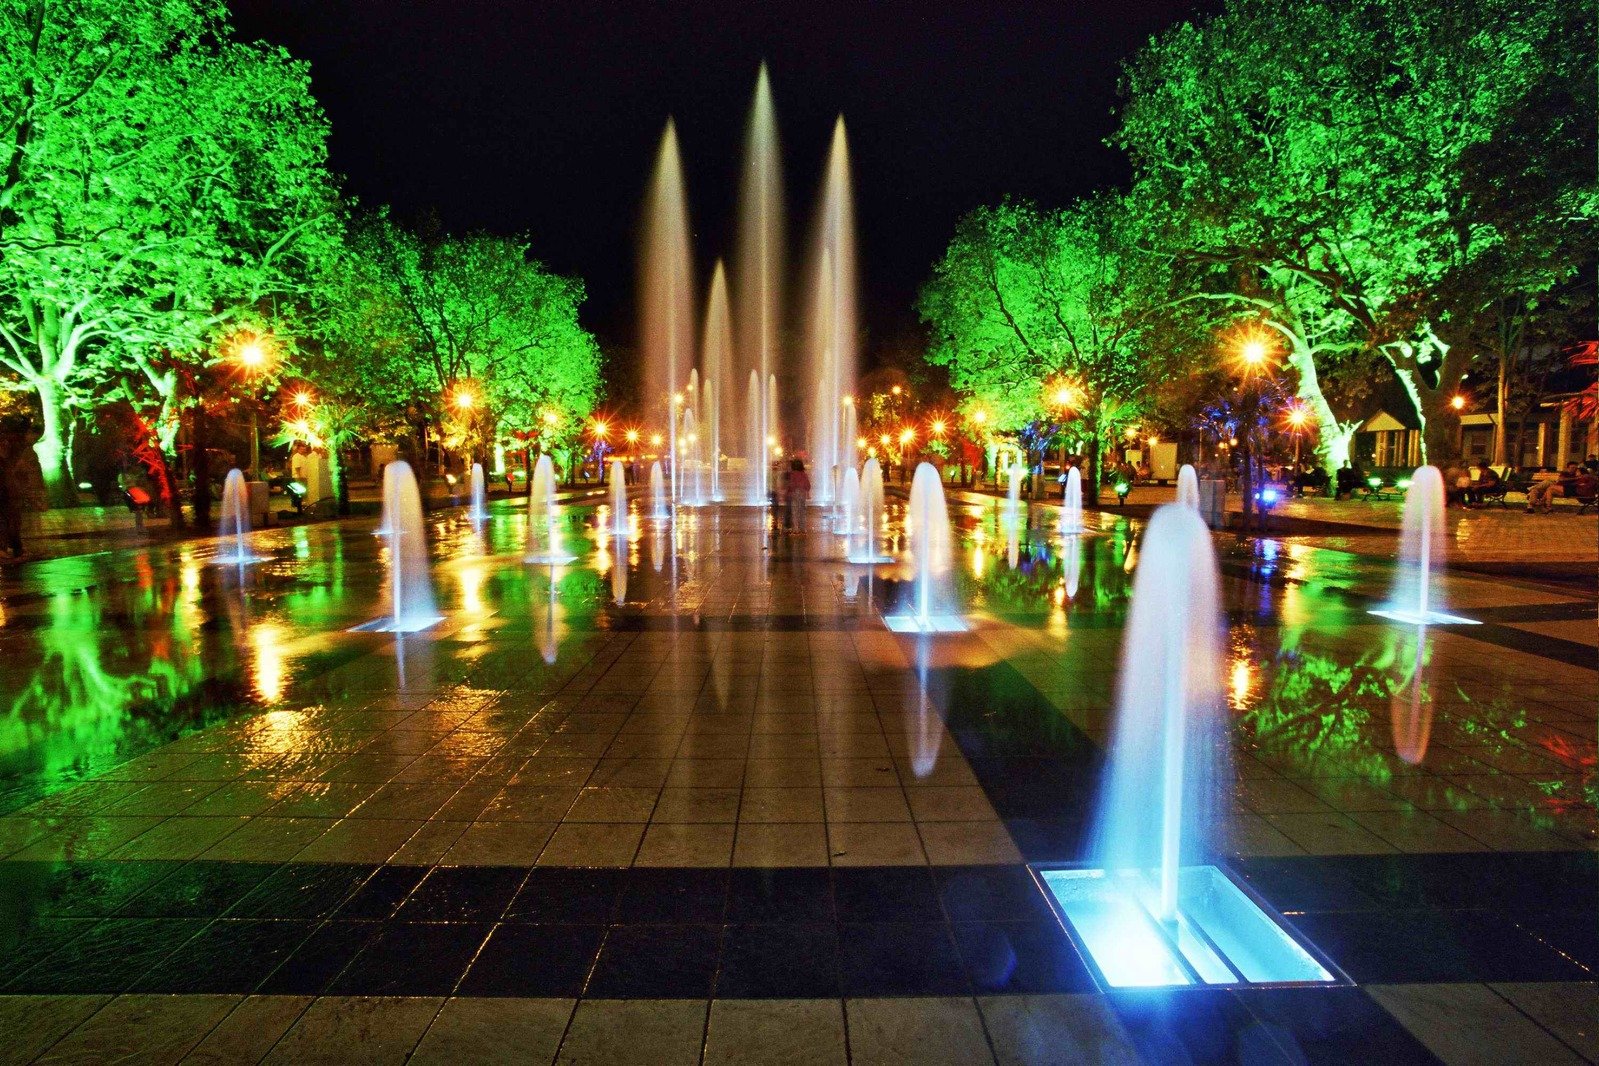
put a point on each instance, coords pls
(476, 316)
(155, 179)
(1364, 160)
(1042, 313)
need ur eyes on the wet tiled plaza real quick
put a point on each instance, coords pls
(688, 800)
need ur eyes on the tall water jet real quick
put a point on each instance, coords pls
(666, 292)
(1071, 508)
(1155, 911)
(619, 498)
(833, 348)
(1188, 486)
(759, 265)
(660, 510)
(692, 487)
(410, 586)
(236, 520)
(716, 358)
(932, 608)
(754, 443)
(543, 508)
(478, 508)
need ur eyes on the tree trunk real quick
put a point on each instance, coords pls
(51, 447)
(1501, 406)
(200, 439)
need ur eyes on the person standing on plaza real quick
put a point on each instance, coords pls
(798, 484)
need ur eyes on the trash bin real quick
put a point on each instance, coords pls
(1213, 502)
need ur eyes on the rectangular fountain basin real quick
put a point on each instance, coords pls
(933, 623)
(1222, 933)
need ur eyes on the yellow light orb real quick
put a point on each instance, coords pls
(1254, 352)
(251, 354)
(860, 442)
(1153, 440)
(550, 418)
(655, 440)
(632, 436)
(302, 399)
(600, 429)
(938, 427)
(1458, 403)
(465, 400)
(884, 440)
(1297, 417)
(907, 435)
(895, 390)
(1063, 397)
(980, 417)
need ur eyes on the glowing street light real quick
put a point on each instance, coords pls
(980, 417)
(632, 436)
(885, 440)
(655, 440)
(600, 429)
(302, 399)
(1063, 396)
(1298, 417)
(252, 355)
(860, 442)
(464, 400)
(907, 435)
(1458, 402)
(938, 427)
(896, 390)
(1253, 353)
(550, 418)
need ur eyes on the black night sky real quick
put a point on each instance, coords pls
(543, 117)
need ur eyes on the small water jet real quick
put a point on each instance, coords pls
(932, 608)
(1153, 911)
(411, 607)
(1071, 550)
(864, 550)
(619, 526)
(542, 506)
(478, 510)
(1071, 508)
(660, 510)
(717, 359)
(846, 519)
(385, 520)
(1013, 495)
(1417, 598)
(1188, 486)
(235, 521)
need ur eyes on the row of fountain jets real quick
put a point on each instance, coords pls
(743, 326)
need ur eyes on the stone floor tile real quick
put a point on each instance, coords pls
(249, 1032)
(930, 1031)
(794, 1032)
(667, 844)
(967, 843)
(360, 840)
(1470, 1024)
(1074, 1028)
(592, 844)
(646, 1032)
(32, 1024)
(498, 844)
(143, 1029)
(778, 845)
(336, 1030)
(874, 844)
(494, 1030)
(1569, 1011)
(265, 838)
(780, 805)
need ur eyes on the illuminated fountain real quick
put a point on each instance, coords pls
(1071, 550)
(619, 498)
(236, 520)
(1416, 598)
(1188, 486)
(932, 607)
(543, 507)
(760, 270)
(846, 516)
(1153, 911)
(478, 510)
(666, 294)
(386, 520)
(716, 361)
(660, 510)
(871, 516)
(692, 490)
(1071, 507)
(832, 348)
(1013, 496)
(410, 586)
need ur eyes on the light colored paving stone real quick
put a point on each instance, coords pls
(1056, 1029)
(1568, 1010)
(31, 1024)
(635, 1032)
(142, 1029)
(356, 1029)
(249, 1032)
(929, 1031)
(1471, 1025)
(494, 1030)
(804, 1032)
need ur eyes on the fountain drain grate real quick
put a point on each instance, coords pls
(1221, 934)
